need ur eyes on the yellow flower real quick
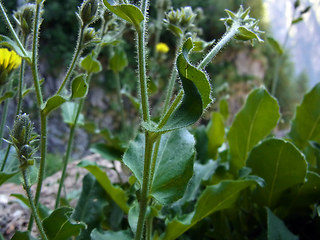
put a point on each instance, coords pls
(162, 47)
(9, 61)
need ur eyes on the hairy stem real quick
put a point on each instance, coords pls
(33, 206)
(223, 41)
(74, 61)
(4, 116)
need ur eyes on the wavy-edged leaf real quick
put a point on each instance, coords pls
(7, 42)
(53, 103)
(280, 164)
(116, 193)
(91, 64)
(60, 226)
(214, 198)
(197, 93)
(255, 121)
(306, 124)
(110, 235)
(127, 12)
(174, 164)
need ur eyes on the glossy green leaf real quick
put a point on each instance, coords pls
(277, 229)
(275, 45)
(306, 124)
(173, 168)
(280, 164)
(42, 209)
(214, 198)
(127, 12)
(216, 134)
(52, 103)
(255, 121)
(69, 112)
(6, 95)
(79, 86)
(22, 236)
(110, 235)
(116, 193)
(60, 226)
(118, 60)
(107, 152)
(7, 42)
(197, 93)
(90, 206)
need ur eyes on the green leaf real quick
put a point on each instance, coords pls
(224, 108)
(173, 168)
(90, 206)
(116, 193)
(277, 229)
(127, 12)
(216, 133)
(214, 198)
(280, 164)
(42, 209)
(7, 42)
(306, 124)
(6, 95)
(12, 165)
(197, 93)
(255, 121)
(90, 64)
(118, 60)
(52, 103)
(297, 20)
(79, 86)
(69, 112)
(107, 152)
(22, 236)
(275, 45)
(110, 235)
(133, 216)
(59, 225)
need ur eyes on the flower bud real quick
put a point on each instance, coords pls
(88, 11)
(107, 16)
(22, 131)
(24, 18)
(90, 36)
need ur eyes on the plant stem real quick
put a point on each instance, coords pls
(142, 64)
(143, 204)
(33, 206)
(4, 114)
(15, 36)
(173, 76)
(68, 153)
(223, 41)
(74, 60)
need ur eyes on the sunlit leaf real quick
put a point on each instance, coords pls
(52, 103)
(79, 86)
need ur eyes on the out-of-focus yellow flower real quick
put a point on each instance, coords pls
(9, 61)
(162, 47)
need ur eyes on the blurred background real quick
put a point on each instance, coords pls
(287, 63)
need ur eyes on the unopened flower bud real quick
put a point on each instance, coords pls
(107, 16)
(22, 130)
(24, 18)
(90, 36)
(88, 11)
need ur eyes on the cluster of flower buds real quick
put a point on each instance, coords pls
(88, 11)
(24, 18)
(22, 139)
(180, 20)
(247, 27)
